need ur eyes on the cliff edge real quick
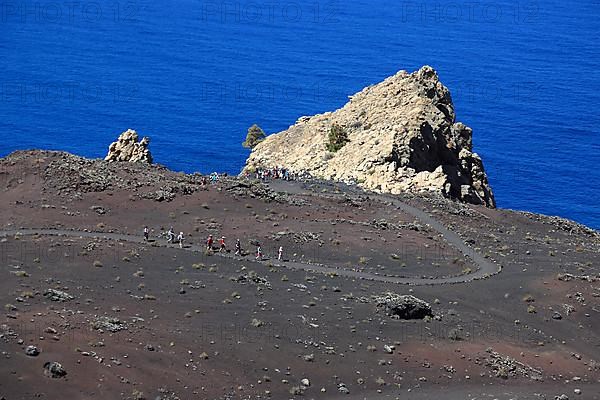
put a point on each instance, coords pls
(400, 135)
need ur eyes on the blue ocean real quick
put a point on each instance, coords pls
(194, 75)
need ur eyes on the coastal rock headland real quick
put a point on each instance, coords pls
(400, 135)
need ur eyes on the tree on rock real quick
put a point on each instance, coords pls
(338, 137)
(255, 136)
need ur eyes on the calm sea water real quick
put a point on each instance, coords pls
(193, 75)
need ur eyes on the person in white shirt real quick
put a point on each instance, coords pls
(258, 253)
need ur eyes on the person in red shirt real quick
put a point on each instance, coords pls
(209, 243)
(222, 244)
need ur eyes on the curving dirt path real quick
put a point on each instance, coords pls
(485, 267)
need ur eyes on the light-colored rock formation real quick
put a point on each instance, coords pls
(403, 136)
(127, 148)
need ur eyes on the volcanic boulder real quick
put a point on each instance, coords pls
(127, 148)
(402, 306)
(54, 369)
(32, 351)
(402, 135)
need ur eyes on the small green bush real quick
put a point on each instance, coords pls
(338, 137)
(255, 136)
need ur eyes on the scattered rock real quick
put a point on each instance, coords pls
(257, 323)
(343, 389)
(258, 190)
(297, 390)
(54, 369)
(569, 277)
(99, 210)
(556, 315)
(32, 351)
(252, 277)
(569, 309)
(109, 324)
(58, 295)
(169, 192)
(505, 367)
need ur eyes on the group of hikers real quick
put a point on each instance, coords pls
(212, 179)
(261, 173)
(274, 173)
(210, 241)
(171, 237)
(222, 245)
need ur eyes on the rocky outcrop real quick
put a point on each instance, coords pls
(72, 176)
(402, 136)
(127, 148)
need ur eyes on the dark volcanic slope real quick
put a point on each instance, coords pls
(149, 321)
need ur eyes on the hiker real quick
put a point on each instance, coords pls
(222, 244)
(238, 247)
(170, 235)
(146, 233)
(209, 243)
(180, 240)
(280, 253)
(258, 253)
